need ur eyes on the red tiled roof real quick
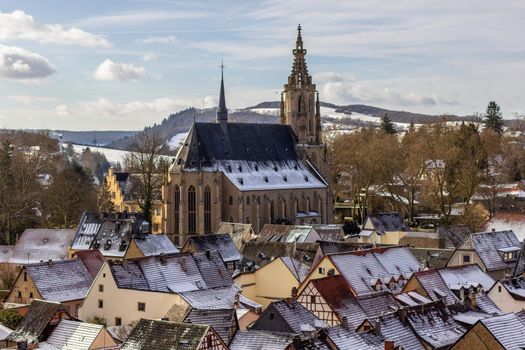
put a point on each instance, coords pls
(333, 289)
(92, 259)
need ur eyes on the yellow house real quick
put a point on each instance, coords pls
(123, 191)
(274, 281)
(509, 295)
(125, 291)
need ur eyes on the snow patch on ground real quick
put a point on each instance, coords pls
(177, 140)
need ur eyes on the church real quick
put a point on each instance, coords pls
(252, 173)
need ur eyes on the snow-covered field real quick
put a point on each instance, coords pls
(112, 155)
(177, 140)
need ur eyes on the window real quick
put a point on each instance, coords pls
(25, 276)
(230, 200)
(141, 306)
(19, 294)
(499, 289)
(104, 275)
(207, 210)
(272, 212)
(248, 200)
(321, 270)
(466, 259)
(101, 288)
(155, 227)
(312, 299)
(192, 213)
(177, 206)
(157, 211)
(100, 303)
(30, 295)
(272, 315)
(118, 321)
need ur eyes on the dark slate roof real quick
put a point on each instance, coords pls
(175, 273)
(111, 234)
(221, 243)
(432, 257)
(151, 245)
(333, 232)
(400, 332)
(465, 275)
(487, 245)
(262, 253)
(296, 316)
(507, 329)
(331, 247)
(209, 142)
(486, 305)
(362, 269)
(298, 269)
(61, 280)
(165, 335)
(39, 315)
(121, 177)
(436, 326)
(386, 222)
(92, 259)
(259, 340)
(349, 339)
(223, 321)
(37, 245)
(454, 235)
(376, 304)
(435, 286)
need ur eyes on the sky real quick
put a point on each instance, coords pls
(124, 65)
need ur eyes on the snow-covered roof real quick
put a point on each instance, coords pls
(37, 245)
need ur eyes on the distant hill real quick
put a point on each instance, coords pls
(101, 138)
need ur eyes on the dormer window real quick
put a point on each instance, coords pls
(241, 181)
(305, 178)
(256, 167)
(285, 179)
(229, 168)
(240, 168)
(265, 178)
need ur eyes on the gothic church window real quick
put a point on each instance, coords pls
(192, 211)
(207, 210)
(177, 208)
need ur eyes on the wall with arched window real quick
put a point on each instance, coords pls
(207, 210)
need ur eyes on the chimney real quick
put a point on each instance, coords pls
(294, 292)
(344, 322)
(162, 258)
(473, 301)
(183, 263)
(402, 315)
(389, 344)
(208, 254)
(289, 301)
(50, 262)
(377, 327)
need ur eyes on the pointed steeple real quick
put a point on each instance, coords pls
(222, 111)
(299, 74)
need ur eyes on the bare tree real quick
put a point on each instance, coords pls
(146, 160)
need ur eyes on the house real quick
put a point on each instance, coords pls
(330, 299)
(222, 243)
(69, 334)
(165, 335)
(124, 190)
(452, 285)
(118, 236)
(66, 282)
(223, 321)
(240, 233)
(257, 254)
(258, 340)
(503, 332)
(273, 281)
(509, 294)
(453, 236)
(507, 221)
(496, 252)
(383, 228)
(289, 316)
(38, 245)
(125, 291)
(41, 318)
(368, 271)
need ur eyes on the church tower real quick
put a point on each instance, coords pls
(301, 110)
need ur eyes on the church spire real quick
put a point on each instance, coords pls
(299, 74)
(222, 111)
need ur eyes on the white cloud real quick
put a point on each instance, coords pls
(29, 100)
(19, 63)
(109, 70)
(170, 39)
(62, 110)
(19, 25)
(149, 57)
(137, 17)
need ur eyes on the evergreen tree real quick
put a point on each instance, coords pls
(386, 125)
(493, 118)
